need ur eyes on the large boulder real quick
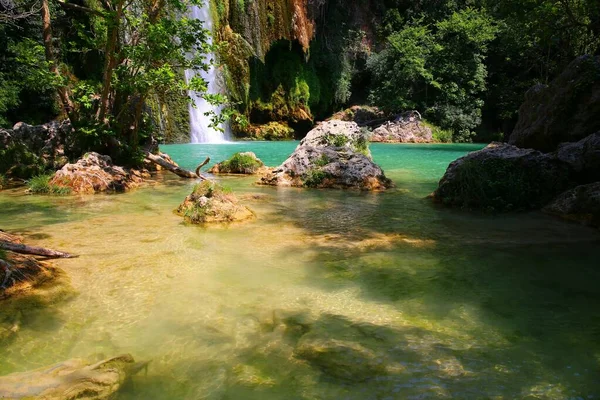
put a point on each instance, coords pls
(566, 110)
(504, 177)
(583, 157)
(580, 204)
(28, 150)
(333, 155)
(72, 379)
(410, 131)
(95, 173)
(211, 203)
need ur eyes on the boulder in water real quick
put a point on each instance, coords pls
(211, 203)
(95, 173)
(333, 155)
(503, 177)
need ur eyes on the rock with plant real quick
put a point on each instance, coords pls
(209, 202)
(240, 163)
(333, 155)
(95, 173)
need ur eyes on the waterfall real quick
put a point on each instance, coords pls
(199, 123)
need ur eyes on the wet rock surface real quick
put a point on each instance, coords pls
(95, 173)
(333, 155)
(71, 379)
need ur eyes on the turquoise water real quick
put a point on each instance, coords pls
(424, 302)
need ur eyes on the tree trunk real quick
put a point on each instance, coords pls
(184, 173)
(63, 92)
(110, 61)
(36, 251)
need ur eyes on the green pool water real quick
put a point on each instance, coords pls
(416, 301)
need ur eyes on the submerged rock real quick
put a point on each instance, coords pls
(403, 131)
(210, 203)
(333, 155)
(503, 177)
(566, 110)
(240, 163)
(72, 379)
(95, 173)
(580, 204)
(28, 150)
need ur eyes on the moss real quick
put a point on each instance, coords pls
(270, 131)
(314, 177)
(40, 184)
(241, 163)
(170, 114)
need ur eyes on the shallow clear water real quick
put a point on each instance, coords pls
(454, 305)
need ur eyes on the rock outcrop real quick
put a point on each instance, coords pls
(72, 379)
(28, 150)
(333, 155)
(240, 163)
(410, 131)
(580, 204)
(504, 177)
(211, 203)
(566, 110)
(95, 173)
(583, 157)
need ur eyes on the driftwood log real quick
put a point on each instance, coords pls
(32, 250)
(72, 379)
(184, 173)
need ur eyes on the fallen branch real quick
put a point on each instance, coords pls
(32, 250)
(202, 165)
(184, 173)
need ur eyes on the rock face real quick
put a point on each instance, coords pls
(580, 204)
(411, 131)
(240, 163)
(72, 379)
(504, 177)
(28, 150)
(583, 157)
(210, 203)
(566, 110)
(95, 173)
(359, 114)
(333, 155)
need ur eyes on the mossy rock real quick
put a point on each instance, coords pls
(272, 131)
(209, 203)
(240, 163)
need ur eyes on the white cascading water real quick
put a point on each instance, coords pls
(199, 122)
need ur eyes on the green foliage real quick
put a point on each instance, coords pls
(314, 177)
(322, 161)
(40, 184)
(241, 163)
(336, 140)
(19, 162)
(436, 67)
(439, 135)
(3, 181)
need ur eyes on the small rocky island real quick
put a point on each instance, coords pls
(333, 155)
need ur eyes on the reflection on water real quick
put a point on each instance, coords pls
(327, 295)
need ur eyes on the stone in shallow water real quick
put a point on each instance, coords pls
(580, 204)
(211, 203)
(240, 163)
(71, 379)
(333, 155)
